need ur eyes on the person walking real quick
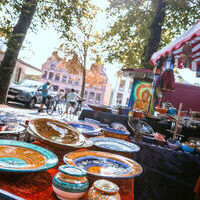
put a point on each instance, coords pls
(44, 90)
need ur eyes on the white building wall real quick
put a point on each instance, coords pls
(123, 92)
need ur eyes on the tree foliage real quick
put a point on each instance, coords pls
(80, 42)
(129, 34)
(16, 18)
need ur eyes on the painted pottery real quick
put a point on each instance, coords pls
(159, 139)
(116, 133)
(17, 156)
(104, 164)
(114, 144)
(70, 183)
(104, 190)
(56, 133)
(173, 144)
(86, 128)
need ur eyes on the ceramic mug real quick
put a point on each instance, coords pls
(70, 183)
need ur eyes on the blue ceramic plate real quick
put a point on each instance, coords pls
(104, 164)
(86, 128)
(117, 131)
(115, 144)
(16, 156)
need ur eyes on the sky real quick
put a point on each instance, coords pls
(40, 45)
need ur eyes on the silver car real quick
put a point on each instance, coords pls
(28, 92)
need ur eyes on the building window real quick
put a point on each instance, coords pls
(57, 77)
(119, 98)
(85, 94)
(70, 80)
(53, 66)
(50, 75)
(77, 81)
(91, 96)
(122, 85)
(64, 79)
(44, 75)
(98, 97)
(55, 87)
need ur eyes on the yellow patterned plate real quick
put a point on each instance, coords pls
(16, 156)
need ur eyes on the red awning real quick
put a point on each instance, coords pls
(192, 36)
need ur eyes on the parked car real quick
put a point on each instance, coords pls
(27, 92)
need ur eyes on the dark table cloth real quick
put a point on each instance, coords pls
(168, 174)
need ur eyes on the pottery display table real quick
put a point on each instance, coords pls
(38, 185)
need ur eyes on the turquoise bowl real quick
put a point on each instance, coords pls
(185, 148)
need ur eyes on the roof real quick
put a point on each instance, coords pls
(192, 36)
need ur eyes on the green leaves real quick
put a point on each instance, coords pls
(129, 34)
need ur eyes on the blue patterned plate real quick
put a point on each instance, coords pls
(86, 128)
(16, 156)
(104, 164)
(115, 144)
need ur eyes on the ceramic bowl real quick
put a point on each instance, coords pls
(173, 144)
(187, 148)
(70, 183)
(116, 133)
(161, 110)
(159, 139)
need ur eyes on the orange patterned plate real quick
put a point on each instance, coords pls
(55, 132)
(16, 156)
(104, 164)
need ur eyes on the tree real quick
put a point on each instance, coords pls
(80, 42)
(55, 11)
(142, 27)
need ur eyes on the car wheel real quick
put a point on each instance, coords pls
(32, 103)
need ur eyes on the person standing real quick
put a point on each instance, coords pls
(44, 90)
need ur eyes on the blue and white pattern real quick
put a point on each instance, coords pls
(115, 144)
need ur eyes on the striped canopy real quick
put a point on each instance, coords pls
(192, 36)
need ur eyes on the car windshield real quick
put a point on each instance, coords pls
(29, 84)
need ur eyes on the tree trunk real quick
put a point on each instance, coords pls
(155, 33)
(14, 45)
(83, 82)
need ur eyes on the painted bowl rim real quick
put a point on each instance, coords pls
(63, 168)
(51, 161)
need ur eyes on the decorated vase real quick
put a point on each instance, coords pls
(70, 183)
(104, 190)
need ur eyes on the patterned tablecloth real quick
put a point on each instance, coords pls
(38, 186)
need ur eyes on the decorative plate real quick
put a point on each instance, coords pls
(115, 144)
(86, 144)
(16, 156)
(55, 132)
(86, 128)
(104, 164)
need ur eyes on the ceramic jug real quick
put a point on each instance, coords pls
(104, 190)
(70, 183)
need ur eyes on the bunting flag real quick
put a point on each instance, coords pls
(191, 37)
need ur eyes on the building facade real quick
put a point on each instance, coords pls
(62, 81)
(121, 92)
(21, 70)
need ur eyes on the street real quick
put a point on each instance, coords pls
(19, 113)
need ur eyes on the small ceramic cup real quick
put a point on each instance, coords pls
(105, 190)
(70, 183)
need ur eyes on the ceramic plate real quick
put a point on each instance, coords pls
(86, 144)
(104, 164)
(115, 144)
(16, 156)
(55, 132)
(86, 128)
